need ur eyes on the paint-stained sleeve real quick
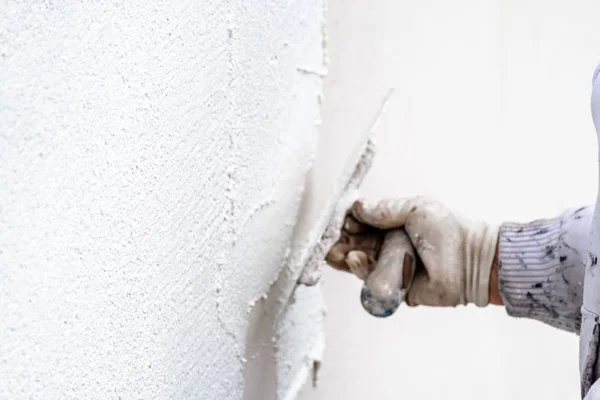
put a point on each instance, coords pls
(542, 267)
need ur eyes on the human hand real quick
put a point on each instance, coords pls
(457, 254)
(357, 249)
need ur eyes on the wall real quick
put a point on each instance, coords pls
(491, 114)
(153, 160)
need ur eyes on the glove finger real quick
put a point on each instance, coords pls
(336, 257)
(353, 227)
(368, 243)
(386, 214)
(359, 264)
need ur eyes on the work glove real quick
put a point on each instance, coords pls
(455, 254)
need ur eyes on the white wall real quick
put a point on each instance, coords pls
(491, 115)
(152, 161)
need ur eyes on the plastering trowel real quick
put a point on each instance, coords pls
(383, 291)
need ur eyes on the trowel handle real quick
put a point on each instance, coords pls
(382, 292)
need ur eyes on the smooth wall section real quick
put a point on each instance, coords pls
(491, 114)
(153, 157)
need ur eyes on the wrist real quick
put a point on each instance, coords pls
(494, 287)
(480, 255)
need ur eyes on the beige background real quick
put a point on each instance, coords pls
(491, 115)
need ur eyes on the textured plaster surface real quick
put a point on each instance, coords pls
(153, 158)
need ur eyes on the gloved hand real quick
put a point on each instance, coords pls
(457, 254)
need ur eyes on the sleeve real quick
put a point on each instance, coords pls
(594, 393)
(541, 268)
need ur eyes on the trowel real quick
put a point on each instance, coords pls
(385, 286)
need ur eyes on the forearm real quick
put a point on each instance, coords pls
(539, 268)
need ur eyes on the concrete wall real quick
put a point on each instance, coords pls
(152, 162)
(491, 115)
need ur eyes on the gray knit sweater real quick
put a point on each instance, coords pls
(542, 267)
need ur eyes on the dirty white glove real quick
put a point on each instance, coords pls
(457, 253)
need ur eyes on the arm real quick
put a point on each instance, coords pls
(539, 268)
(535, 270)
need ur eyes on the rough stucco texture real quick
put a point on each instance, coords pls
(152, 160)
